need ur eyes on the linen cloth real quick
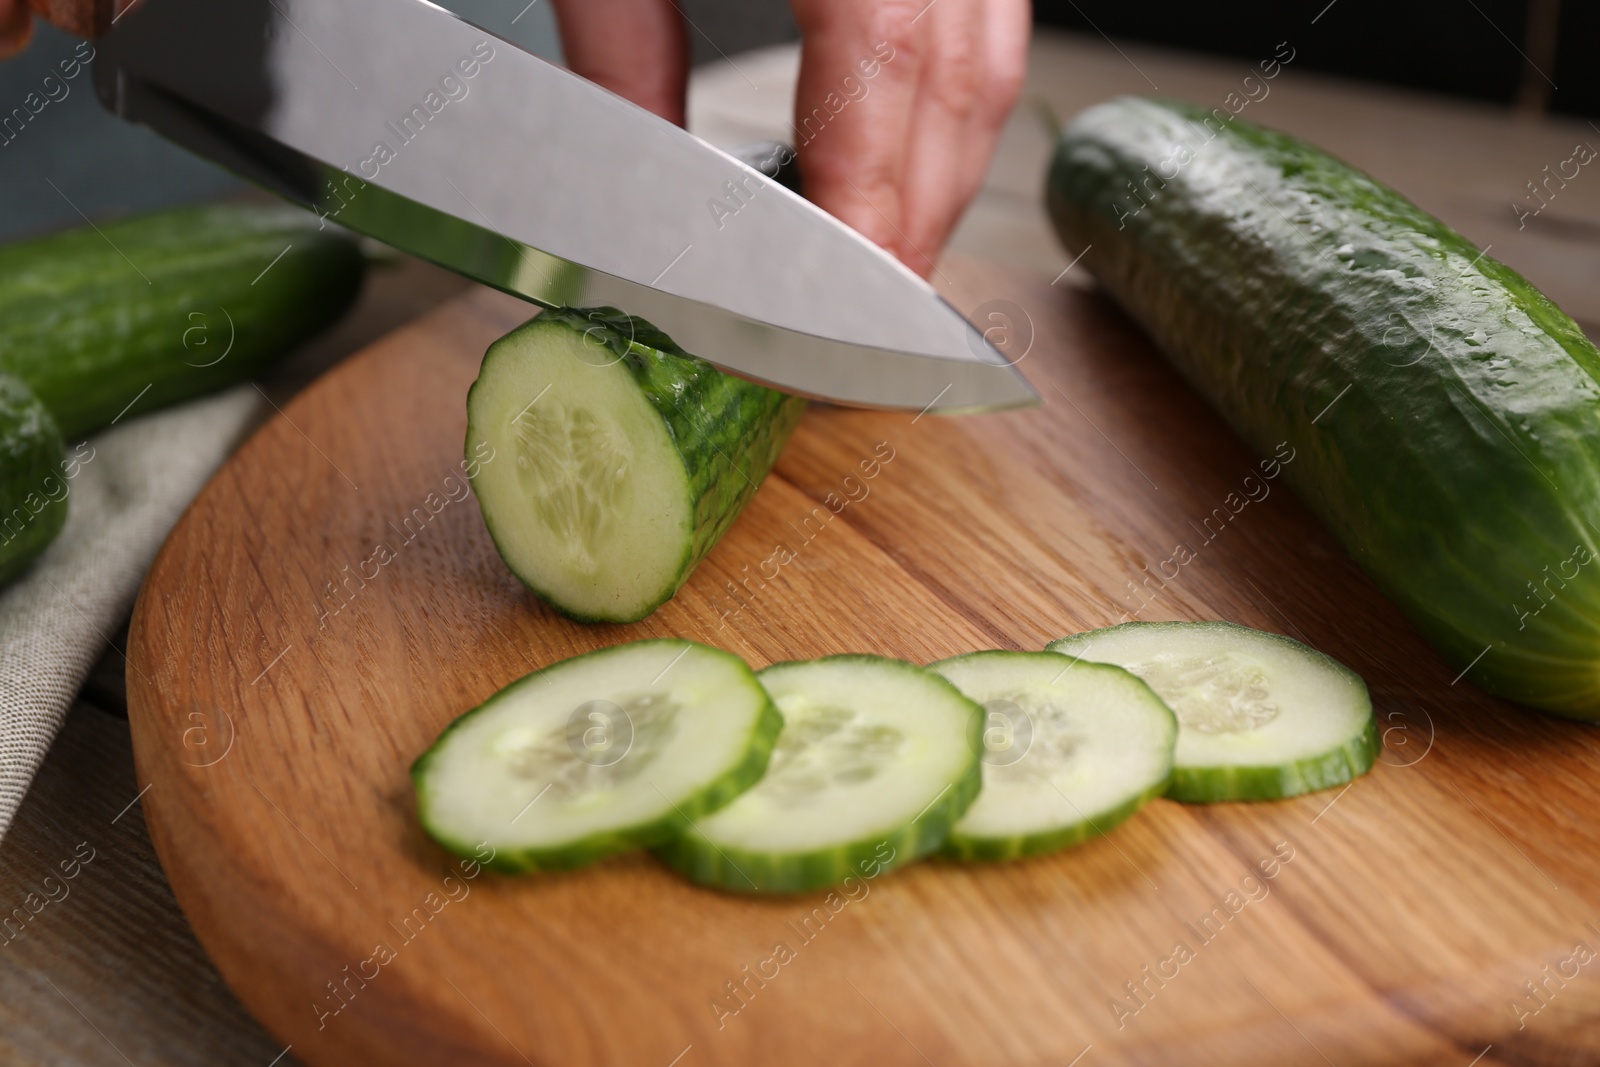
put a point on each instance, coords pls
(131, 484)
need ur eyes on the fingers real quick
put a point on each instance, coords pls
(16, 27)
(939, 157)
(1008, 26)
(903, 156)
(978, 60)
(638, 49)
(859, 72)
(897, 112)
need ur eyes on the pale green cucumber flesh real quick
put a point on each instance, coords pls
(1260, 716)
(1433, 408)
(876, 761)
(33, 478)
(607, 751)
(148, 310)
(1071, 749)
(619, 459)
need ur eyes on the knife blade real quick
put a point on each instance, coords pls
(397, 119)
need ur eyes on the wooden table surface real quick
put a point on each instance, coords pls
(111, 973)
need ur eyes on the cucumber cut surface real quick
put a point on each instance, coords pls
(1071, 749)
(596, 754)
(1260, 715)
(625, 458)
(876, 761)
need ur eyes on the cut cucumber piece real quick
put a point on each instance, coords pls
(1071, 749)
(596, 754)
(626, 458)
(876, 761)
(1260, 715)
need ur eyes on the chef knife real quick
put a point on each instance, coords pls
(397, 119)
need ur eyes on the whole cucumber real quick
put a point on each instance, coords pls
(1445, 414)
(165, 306)
(33, 478)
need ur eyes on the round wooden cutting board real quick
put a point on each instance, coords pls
(333, 600)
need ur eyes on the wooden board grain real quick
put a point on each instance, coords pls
(92, 944)
(281, 681)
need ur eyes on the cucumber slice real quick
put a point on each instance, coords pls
(1260, 715)
(1070, 751)
(626, 458)
(876, 761)
(596, 754)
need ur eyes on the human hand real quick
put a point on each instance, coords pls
(897, 112)
(639, 49)
(899, 107)
(16, 27)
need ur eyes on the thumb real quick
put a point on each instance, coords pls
(16, 27)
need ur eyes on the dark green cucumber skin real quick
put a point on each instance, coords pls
(89, 319)
(33, 486)
(742, 871)
(728, 432)
(568, 857)
(1211, 785)
(997, 849)
(747, 871)
(1462, 467)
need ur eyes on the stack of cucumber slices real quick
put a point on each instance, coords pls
(805, 774)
